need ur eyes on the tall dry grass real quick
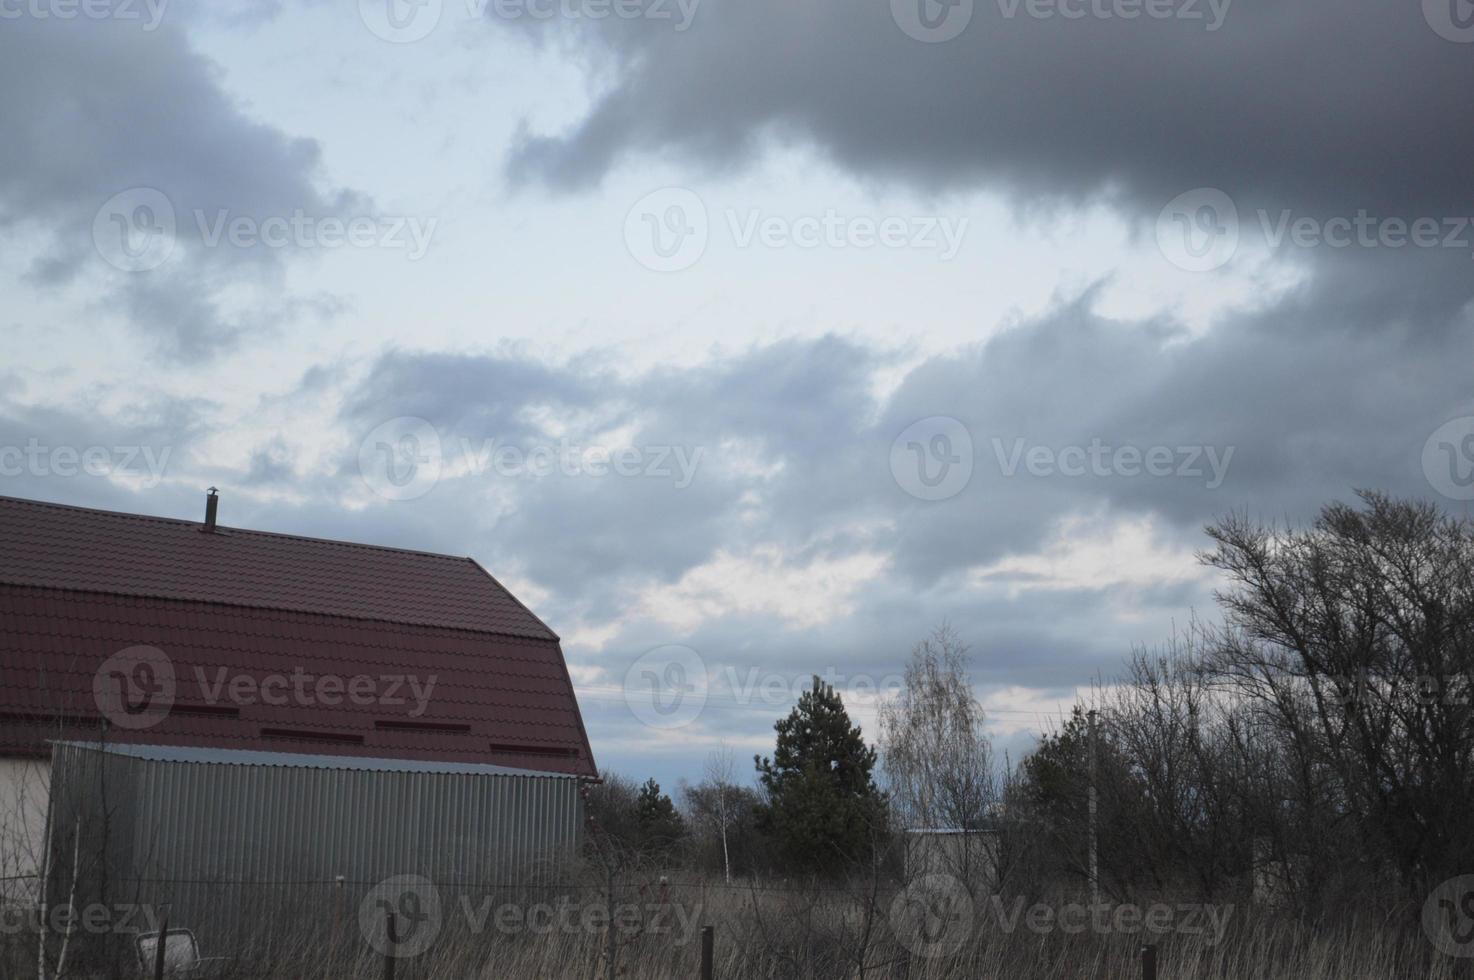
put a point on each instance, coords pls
(773, 930)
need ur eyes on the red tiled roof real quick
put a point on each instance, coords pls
(128, 554)
(77, 586)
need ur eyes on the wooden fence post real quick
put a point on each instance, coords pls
(708, 942)
(1148, 963)
(159, 948)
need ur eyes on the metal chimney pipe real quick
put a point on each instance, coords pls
(212, 507)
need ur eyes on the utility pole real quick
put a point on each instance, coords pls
(1094, 826)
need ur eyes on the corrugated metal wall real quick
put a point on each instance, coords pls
(215, 840)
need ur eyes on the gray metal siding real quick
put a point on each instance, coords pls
(215, 840)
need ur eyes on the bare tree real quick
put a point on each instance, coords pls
(938, 763)
(716, 803)
(936, 754)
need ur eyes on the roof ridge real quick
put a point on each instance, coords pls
(179, 521)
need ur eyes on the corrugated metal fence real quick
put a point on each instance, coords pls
(225, 836)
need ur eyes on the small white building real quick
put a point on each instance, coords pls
(970, 856)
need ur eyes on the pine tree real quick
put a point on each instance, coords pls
(659, 822)
(823, 811)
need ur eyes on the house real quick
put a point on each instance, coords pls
(260, 702)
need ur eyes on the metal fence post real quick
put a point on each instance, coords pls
(159, 948)
(1148, 963)
(708, 941)
(391, 940)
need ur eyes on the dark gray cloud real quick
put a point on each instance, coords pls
(1317, 104)
(798, 464)
(97, 108)
(798, 458)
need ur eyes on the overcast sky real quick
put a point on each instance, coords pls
(746, 339)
